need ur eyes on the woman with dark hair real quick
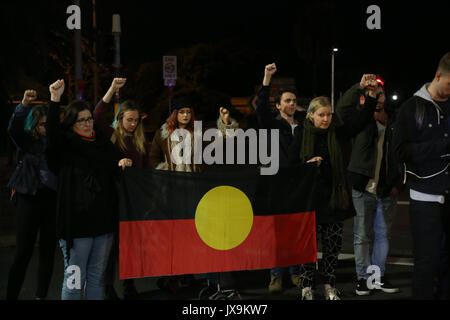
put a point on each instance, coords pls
(35, 201)
(127, 134)
(319, 141)
(86, 163)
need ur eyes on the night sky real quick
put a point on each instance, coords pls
(405, 52)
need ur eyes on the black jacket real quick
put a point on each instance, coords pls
(86, 193)
(266, 120)
(30, 154)
(422, 143)
(364, 153)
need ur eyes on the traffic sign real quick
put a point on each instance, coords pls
(169, 68)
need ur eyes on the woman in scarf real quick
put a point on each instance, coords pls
(319, 142)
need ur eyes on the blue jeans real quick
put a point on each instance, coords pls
(279, 270)
(373, 217)
(90, 255)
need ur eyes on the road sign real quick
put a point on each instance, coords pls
(169, 68)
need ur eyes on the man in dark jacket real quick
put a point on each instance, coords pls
(285, 122)
(375, 179)
(423, 146)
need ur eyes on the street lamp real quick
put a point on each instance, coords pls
(79, 86)
(116, 31)
(333, 52)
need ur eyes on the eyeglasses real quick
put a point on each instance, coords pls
(42, 124)
(85, 120)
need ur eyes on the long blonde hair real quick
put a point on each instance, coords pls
(120, 133)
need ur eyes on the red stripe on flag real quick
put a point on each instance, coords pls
(170, 247)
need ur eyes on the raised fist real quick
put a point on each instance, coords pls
(270, 69)
(224, 115)
(56, 90)
(118, 83)
(28, 96)
(368, 81)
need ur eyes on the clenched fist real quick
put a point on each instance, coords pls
(369, 83)
(270, 69)
(118, 83)
(268, 73)
(28, 96)
(225, 115)
(56, 90)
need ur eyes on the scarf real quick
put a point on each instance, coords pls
(339, 196)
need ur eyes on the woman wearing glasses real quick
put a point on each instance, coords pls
(86, 163)
(127, 134)
(35, 199)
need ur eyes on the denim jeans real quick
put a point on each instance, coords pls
(373, 217)
(91, 256)
(279, 270)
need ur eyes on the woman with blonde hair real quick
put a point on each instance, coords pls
(127, 130)
(127, 134)
(319, 141)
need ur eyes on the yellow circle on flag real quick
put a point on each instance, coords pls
(224, 217)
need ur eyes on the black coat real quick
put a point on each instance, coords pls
(364, 149)
(86, 196)
(422, 143)
(266, 120)
(31, 156)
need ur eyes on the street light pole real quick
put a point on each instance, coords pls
(94, 26)
(78, 62)
(332, 78)
(116, 31)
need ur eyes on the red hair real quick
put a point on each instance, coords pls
(172, 121)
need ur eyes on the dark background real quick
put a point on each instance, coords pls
(223, 45)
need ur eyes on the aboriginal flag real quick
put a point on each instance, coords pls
(185, 223)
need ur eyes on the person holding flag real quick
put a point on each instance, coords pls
(319, 141)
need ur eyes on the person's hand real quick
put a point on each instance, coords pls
(369, 84)
(317, 160)
(225, 115)
(367, 80)
(28, 96)
(56, 90)
(270, 69)
(394, 192)
(118, 83)
(268, 73)
(125, 163)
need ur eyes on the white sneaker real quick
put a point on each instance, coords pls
(331, 293)
(307, 293)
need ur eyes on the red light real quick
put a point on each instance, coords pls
(380, 81)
